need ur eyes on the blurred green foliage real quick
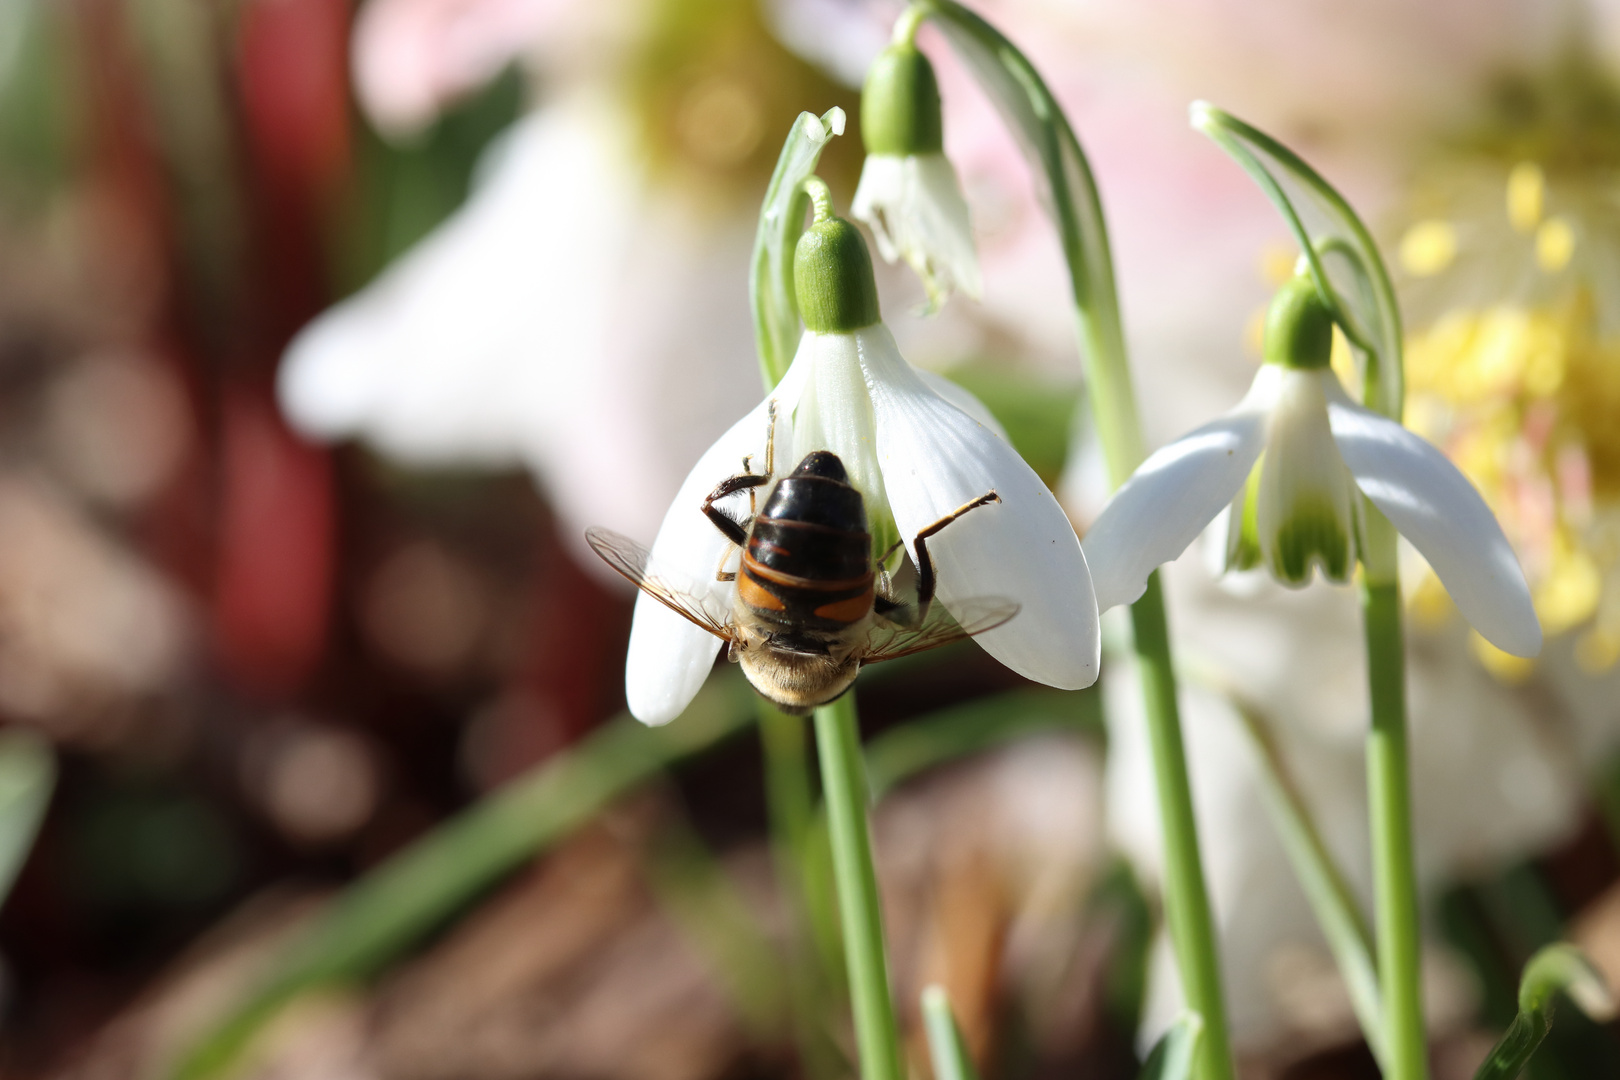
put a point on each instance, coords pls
(1038, 413)
(41, 108)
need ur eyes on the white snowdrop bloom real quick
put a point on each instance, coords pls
(909, 193)
(916, 457)
(576, 316)
(1289, 461)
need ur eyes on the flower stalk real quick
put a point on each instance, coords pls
(1389, 783)
(1059, 163)
(1389, 788)
(1364, 308)
(843, 779)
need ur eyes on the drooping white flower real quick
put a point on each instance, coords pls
(1298, 507)
(915, 456)
(575, 316)
(909, 193)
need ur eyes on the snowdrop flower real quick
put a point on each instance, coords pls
(917, 449)
(909, 193)
(1297, 509)
(466, 352)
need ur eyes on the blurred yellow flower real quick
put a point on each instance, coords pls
(1513, 356)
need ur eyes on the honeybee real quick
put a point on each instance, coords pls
(812, 606)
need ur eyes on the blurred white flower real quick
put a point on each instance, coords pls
(915, 207)
(1492, 785)
(571, 316)
(909, 193)
(412, 58)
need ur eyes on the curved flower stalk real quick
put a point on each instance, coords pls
(1065, 185)
(1287, 463)
(916, 456)
(909, 193)
(1402, 488)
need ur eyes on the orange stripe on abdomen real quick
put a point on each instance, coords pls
(846, 611)
(756, 595)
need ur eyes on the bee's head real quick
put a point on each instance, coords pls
(798, 675)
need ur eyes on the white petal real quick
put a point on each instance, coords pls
(915, 208)
(1305, 505)
(935, 458)
(441, 359)
(943, 227)
(879, 198)
(1437, 509)
(1174, 494)
(669, 657)
(835, 411)
(963, 399)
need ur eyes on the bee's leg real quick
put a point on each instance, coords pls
(720, 571)
(883, 599)
(744, 481)
(770, 455)
(926, 580)
(729, 526)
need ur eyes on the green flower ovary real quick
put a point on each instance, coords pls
(1299, 327)
(900, 110)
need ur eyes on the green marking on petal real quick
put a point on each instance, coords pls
(1311, 535)
(1243, 550)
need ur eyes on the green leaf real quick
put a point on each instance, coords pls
(945, 1047)
(1069, 193)
(1345, 263)
(1559, 967)
(1173, 1056)
(781, 221)
(1324, 883)
(27, 775)
(697, 891)
(393, 906)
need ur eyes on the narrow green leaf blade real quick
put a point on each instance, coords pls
(1559, 967)
(696, 889)
(1348, 269)
(1335, 908)
(1173, 1056)
(27, 776)
(945, 1046)
(781, 221)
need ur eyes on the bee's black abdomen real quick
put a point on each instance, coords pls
(809, 555)
(823, 463)
(818, 492)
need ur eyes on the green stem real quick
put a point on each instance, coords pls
(907, 25)
(821, 200)
(1034, 114)
(843, 782)
(1186, 900)
(791, 810)
(1389, 788)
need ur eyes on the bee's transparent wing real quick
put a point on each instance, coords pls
(941, 628)
(668, 588)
